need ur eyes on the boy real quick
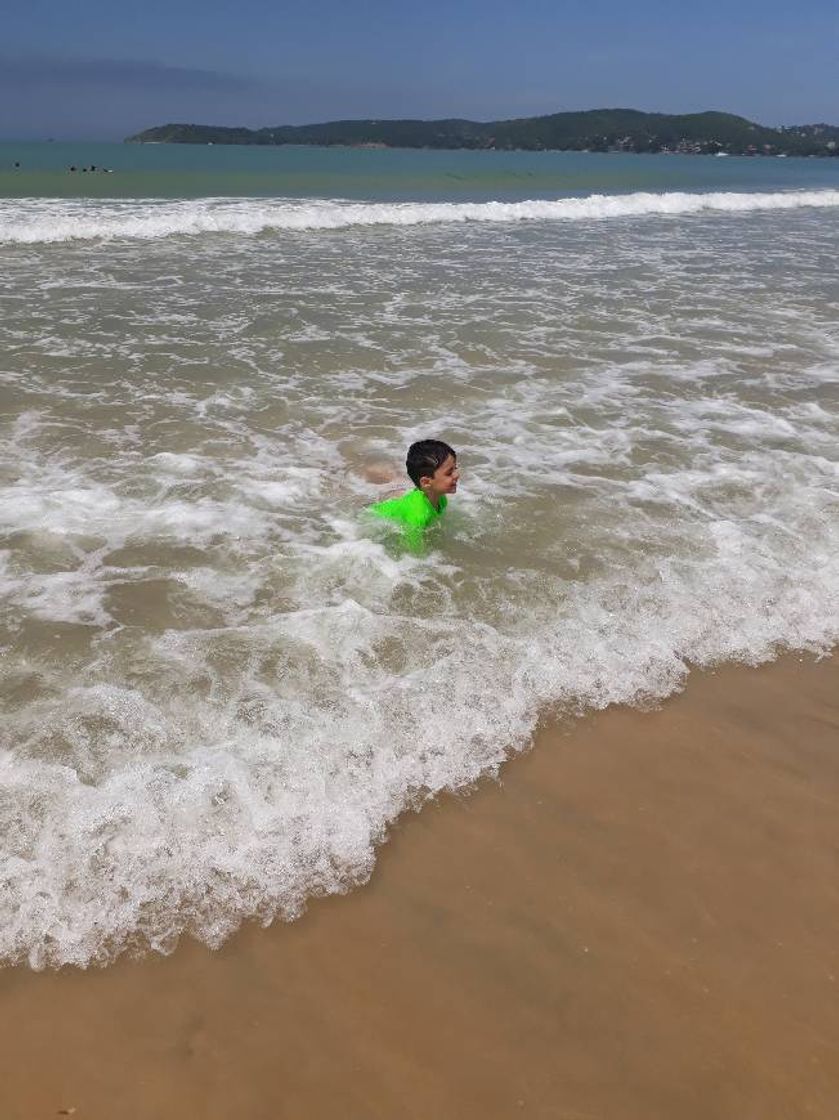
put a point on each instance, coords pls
(432, 467)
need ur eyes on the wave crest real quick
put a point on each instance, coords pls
(39, 221)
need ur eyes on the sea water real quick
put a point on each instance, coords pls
(220, 683)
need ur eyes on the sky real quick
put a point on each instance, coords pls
(98, 70)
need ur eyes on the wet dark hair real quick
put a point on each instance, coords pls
(425, 456)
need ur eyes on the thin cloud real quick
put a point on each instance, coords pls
(17, 73)
(111, 98)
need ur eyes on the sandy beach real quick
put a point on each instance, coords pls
(638, 923)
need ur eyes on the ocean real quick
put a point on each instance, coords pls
(221, 683)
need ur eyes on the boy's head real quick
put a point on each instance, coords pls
(432, 466)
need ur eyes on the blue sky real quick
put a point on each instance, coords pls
(100, 71)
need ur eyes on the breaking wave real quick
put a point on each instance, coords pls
(45, 221)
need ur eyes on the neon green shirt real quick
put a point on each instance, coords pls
(413, 510)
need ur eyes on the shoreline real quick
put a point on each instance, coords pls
(636, 923)
(380, 147)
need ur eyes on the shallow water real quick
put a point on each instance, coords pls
(220, 682)
(240, 171)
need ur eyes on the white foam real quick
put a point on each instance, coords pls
(139, 814)
(224, 686)
(36, 221)
(177, 464)
(73, 596)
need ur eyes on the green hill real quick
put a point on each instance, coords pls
(592, 130)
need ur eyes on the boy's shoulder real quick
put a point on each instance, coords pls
(412, 508)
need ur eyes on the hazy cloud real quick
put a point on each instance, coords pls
(108, 98)
(20, 73)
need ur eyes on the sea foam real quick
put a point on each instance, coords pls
(222, 685)
(35, 221)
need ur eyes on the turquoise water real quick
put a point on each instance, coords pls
(196, 171)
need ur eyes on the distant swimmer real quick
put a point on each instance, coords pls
(432, 467)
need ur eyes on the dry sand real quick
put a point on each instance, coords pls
(640, 923)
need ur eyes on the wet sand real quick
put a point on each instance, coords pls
(641, 922)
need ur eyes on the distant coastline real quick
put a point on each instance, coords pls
(594, 130)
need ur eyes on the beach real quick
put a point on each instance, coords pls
(254, 859)
(637, 921)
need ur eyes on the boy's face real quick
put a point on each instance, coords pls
(443, 481)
